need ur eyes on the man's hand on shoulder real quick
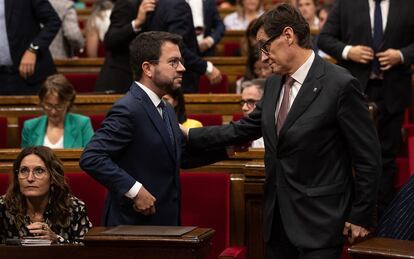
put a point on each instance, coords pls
(354, 232)
(144, 202)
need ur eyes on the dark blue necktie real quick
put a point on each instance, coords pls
(377, 38)
(166, 120)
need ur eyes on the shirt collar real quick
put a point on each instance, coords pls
(303, 70)
(153, 96)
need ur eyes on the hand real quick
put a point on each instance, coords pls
(144, 202)
(205, 44)
(185, 131)
(389, 58)
(361, 54)
(354, 231)
(27, 64)
(145, 7)
(215, 76)
(41, 230)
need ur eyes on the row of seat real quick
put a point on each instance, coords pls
(199, 205)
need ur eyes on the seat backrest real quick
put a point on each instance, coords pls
(205, 202)
(3, 132)
(4, 182)
(232, 49)
(96, 120)
(83, 82)
(237, 116)
(205, 87)
(207, 119)
(20, 123)
(89, 191)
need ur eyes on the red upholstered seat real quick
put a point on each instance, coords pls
(207, 119)
(96, 120)
(3, 132)
(237, 116)
(403, 172)
(231, 49)
(4, 182)
(89, 191)
(83, 82)
(205, 202)
(205, 86)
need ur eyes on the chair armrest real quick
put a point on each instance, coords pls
(238, 252)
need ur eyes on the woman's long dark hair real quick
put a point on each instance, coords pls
(59, 193)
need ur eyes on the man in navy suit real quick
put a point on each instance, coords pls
(316, 129)
(131, 17)
(27, 27)
(381, 63)
(138, 151)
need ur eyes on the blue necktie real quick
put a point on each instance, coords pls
(166, 120)
(377, 38)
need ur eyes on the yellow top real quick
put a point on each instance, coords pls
(190, 123)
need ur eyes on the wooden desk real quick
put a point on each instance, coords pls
(382, 248)
(195, 244)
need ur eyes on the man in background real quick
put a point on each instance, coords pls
(27, 27)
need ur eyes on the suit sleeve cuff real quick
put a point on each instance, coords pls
(346, 51)
(132, 193)
(209, 68)
(401, 56)
(134, 28)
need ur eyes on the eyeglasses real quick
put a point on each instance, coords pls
(38, 172)
(57, 107)
(174, 62)
(249, 102)
(264, 47)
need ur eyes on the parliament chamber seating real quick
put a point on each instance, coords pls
(207, 119)
(82, 82)
(205, 202)
(96, 120)
(4, 183)
(232, 49)
(3, 132)
(206, 87)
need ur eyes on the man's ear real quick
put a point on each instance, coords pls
(147, 69)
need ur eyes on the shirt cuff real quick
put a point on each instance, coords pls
(133, 27)
(401, 56)
(132, 193)
(346, 51)
(209, 68)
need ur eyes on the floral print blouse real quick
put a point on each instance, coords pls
(72, 234)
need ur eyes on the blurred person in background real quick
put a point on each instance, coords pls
(69, 41)
(38, 202)
(246, 11)
(308, 10)
(58, 128)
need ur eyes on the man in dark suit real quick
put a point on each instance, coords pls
(131, 17)
(138, 151)
(316, 128)
(27, 27)
(380, 58)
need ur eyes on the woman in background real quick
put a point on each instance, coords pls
(176, 99)
(58, 128)
(246, 11)
(38, 202)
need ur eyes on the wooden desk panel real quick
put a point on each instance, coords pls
(382, 248)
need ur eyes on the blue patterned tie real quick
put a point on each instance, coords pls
(377, 38)
(166, 120)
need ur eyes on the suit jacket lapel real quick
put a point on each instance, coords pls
(363, 5)
(8, 7)
(310, 89)
(391, 19)
(155, 117)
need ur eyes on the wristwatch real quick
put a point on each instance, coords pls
(33, 48)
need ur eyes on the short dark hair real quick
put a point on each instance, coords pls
(147, 46)
(282, 16)
(58, 84)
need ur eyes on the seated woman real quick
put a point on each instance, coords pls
(57, 128)
(38, 202)
(176, 99)
(246, 11)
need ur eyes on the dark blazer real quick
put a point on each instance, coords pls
(170, 15)
(349, 24)
(23, 21)
(309, 165)
(133, 144)
(213, 25)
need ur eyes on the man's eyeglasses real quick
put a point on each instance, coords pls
(57, 107)
(249, 102)
(38, 172)
(174, 62)
(264, 47)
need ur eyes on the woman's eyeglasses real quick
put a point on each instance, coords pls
(57, 107)
(38, 172)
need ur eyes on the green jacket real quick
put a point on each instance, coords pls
(77, 131)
